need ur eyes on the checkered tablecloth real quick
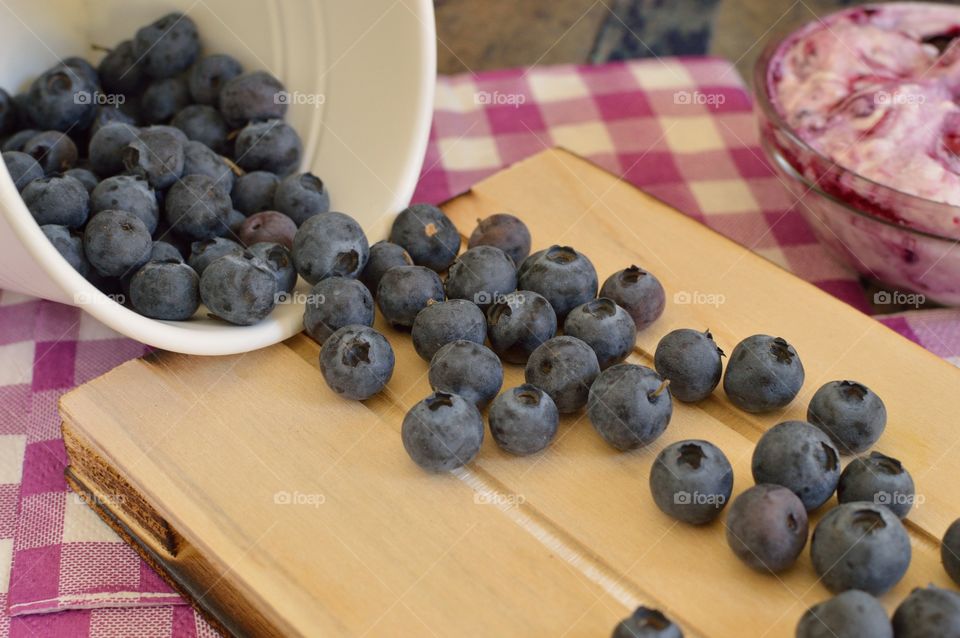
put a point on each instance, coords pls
(682, 129)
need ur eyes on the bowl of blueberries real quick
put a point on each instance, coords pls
(161, 161)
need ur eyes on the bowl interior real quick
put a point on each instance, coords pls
(360, 77)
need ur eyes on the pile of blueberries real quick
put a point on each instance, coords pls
(487, 311)
(165, 177)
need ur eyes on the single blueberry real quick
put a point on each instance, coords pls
(483, 275)
(638, 292)
(240, 289)
(106, 147)
(800, 457)
(691, 481)
(565, 277)
(167, 290)
(23, 169)
(70, 246)
(468, 369)
(280, 260)
(253, 192)
(206, 251)
(519, 323)
(57, 200)
(605, 327)
(204, 124)
(383, 256)
(860, 546)
(301, 196)
(879, 479)
(16, 141)
(156, 155)
(406, 290)
(168, 46)
(207, 77)
(272, 146)
(356, 362)
(252, 96)
(196, 208)
(442, 432)
(950, 551)
(106, 115)
(84, 176)
(523, 420)
(629, 406)
(504, 231)
(647, 623)
(83, 68)
(445, 322)
(691, 361)
(163, 99)
(120, 70)
(130, 193)
(428, 236)
(61, 99)
(851, 414)
(928, 612)
(165, 251)
(763, 374)
(564, 368)
(269, 226)
(330, 245)
(198, 159)
(850, 614)
(116, 243)
(334, 303)
(53, 150)
(767, 527)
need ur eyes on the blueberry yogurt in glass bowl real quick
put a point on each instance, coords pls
(859, 115)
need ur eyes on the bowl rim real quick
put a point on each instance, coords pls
(765, 101)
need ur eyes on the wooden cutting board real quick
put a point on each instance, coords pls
(281, 509)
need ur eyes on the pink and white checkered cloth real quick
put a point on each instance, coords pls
(69, 575)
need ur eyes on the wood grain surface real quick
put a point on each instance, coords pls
(296, 512)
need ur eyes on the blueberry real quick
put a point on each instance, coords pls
(301, 196)
(334, 303)
(427, 235)
(767, 527)
(519, 323)
(851, 614)
(564, 368)
(82, 68)
(70, 246)
(330, 245)
(156, 155)
(252, 96)
(383, 256)
(167, 46)
(878, 479)
(800, 457)
(165, 251)
(950, 551)
(280, 260)
(177, 134)
(647, 623)
(356, 362)
(116, 243)
(16, 141)
(763, 374)
(196, 208)
(268, 146)
(204, 124)
(691, 481)
(442, 432)
(850, 413)
(445, 322)
(53, 150)
(482, 275)
(240, 289)
(205, 252)
(106, 115)
(200, 160)
(130, 193)
(691, 360)
(163, 99)
(23, 169)
(860, 546)
(605, 327)
(57, 200)
(84, 176)
(9, 115)
(106, 148)
(60, 99)
(253, 192)
(563, 276)
(233, 222)
(269, 226)
(207, 77)
(468, 369)
(523, 420)
(167, 290)
(629, 405)
(505, 232)
(406, 290)
(637, 291)
(928, 612)
(120, 70)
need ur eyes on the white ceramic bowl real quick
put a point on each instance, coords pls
(371, 61)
